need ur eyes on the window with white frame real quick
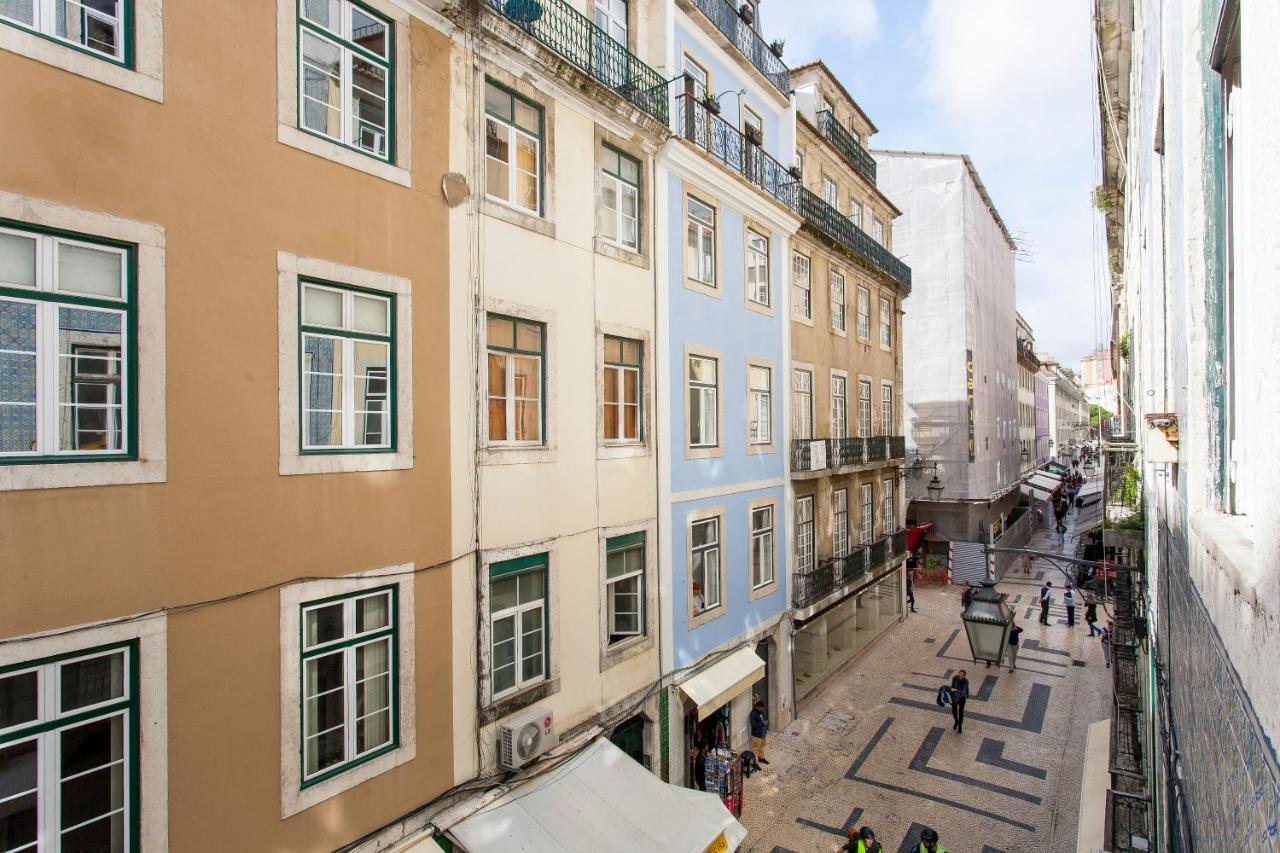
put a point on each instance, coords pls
(830, 192)
(623, 387)
(700, 257)
(840, 523)
(800, 163)
(345, 70)
(350, 687)
(611, 17)
(877, 230)
(516, 350)
(802, 403)
(801, 287)
(762, 567)
(864, 408)
(513, 149)
(836, 287)
(888, 510)
(855, 212)
(518, 624)
(761, 404)
(620, 199)
(751, 122)
(839, 406)
(804, 534)
(68, 346)
(886, 322)
(99, 27)
(868, 514)
(624, 587)
(887, 419)
(758, 268)
(704, 568)
(704, 392)
(68, 752)
(864, 313)
(347, 338)
(696, 78)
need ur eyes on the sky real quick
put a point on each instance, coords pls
(1008, 82)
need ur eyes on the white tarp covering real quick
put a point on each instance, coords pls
(1042, 482)
(1035, 494)
(714, 686)
(600, 800)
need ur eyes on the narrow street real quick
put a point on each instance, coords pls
(873, 748)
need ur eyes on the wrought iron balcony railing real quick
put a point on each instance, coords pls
(846, 451)
(808, 454)
(833, 574)
(744, 37)
(836, 226)
(897, 447)
(847, 144)
(843, 452)
(878, 448)
(697, 123)
(577, 39)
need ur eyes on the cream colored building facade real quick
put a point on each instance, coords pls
(1028, 366)
(847, 448)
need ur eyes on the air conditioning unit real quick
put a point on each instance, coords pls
(523, 738)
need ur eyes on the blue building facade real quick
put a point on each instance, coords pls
(725, 205)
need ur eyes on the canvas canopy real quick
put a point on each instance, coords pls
(714, 686)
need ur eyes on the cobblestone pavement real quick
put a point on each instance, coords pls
(872, 746)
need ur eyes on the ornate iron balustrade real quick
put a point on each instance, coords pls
(877, 449)
(839, 228)
(846, 451)
(835, 573)
(847, 144)
(743, 36)
(897, 447)
(699, 125)
(576, 38)
(808, 454)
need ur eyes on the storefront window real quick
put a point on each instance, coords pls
(829, 639)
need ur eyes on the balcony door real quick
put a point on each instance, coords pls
(610, 57)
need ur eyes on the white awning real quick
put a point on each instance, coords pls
(1034, 493)
(1043, 481)
(599, 800)
(1045, 472)
(714, 686)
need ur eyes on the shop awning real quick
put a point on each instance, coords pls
(915, 534)
(714, 686)
(600, 799)
(1042, 481)
(1036, 494)
(1045, 472)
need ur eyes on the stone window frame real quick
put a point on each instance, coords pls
(779, 565)
(611, 656)
(721, 609)
(150, 466)
(643, 447)
(397, 170)
(716, 290)
(808, 256)
(772, 445)
(545, 222)
(749, 227)
(289, 268)
(716, 450)
(503, 454)
(602, 246)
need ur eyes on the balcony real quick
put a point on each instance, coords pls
(816, 454)
(834, 574)
(702, 127)
(847, 144)
(836, 227)
(575, 38)
(724, 16)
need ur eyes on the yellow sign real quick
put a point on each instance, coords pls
(720, 845)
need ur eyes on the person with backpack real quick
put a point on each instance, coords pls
(1062, 533)
(1015, 631)
(928, 842)
(959, 695)
(1091, 614)
(1046, 598)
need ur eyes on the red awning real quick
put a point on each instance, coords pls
(915, 534)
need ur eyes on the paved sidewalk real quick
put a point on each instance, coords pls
(872, 747)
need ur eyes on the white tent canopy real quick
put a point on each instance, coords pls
(715, 685)
(599, 800)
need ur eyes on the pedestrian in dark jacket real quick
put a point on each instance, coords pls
(1091, 614)
(1046, 598)
(759, 731)
(1069, 601)
(1062, 533)
(959, 695)
(1012, 649)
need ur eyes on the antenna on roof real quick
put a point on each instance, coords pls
(1024, 248)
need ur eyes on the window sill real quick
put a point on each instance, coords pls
(622, 451)
(761, 449)
(620, 253)
(840, 334)
(512, 702)
(338, 153)
(502, 455)
(700, 619)
(145, 84)
(312, 462)
(520, 218)
(803, 321)
(616, 654)
(703, 452)
(702, 287)
(759, 308)
(1227, 539)
(763, 591)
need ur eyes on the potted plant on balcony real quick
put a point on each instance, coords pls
(522, 11)
(796, 172)
(747, 13)
(709, 101)
(776, 46)
(754, 136)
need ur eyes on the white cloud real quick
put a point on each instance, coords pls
(807, 24)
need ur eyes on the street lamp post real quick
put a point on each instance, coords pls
(987, 621)
(935, 486)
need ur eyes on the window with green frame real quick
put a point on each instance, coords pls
(68, 344)
(518, 621)
(623, 390)
(347, 368)
(346, 70)
(513, 148)
(350, 690)
(515, 351)
(624, 587)
(103, 28)
(69, 761)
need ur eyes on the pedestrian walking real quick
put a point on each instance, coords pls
(1091, 614)
(959, 695)
(759, 731)
(1012, 649)
(863, 841)
(1046, 598)
(1105, 639)
(911, 589)
(928, 842)
(1062, 533)
(1069, 601)
(1026, 564)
